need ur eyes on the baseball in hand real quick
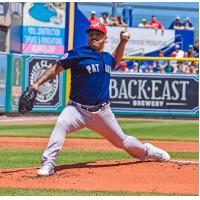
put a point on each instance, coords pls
(126, 35)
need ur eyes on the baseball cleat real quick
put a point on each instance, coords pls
(156, 153)
(45, 171)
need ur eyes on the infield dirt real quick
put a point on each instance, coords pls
(117, 175)
(123, 175)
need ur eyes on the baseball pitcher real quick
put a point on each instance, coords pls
(89, 99)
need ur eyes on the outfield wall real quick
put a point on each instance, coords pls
(131, 94)
(154, 94)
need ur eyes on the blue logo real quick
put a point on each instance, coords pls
(44, 12)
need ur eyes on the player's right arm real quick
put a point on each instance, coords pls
(119, 51)
(49, 74)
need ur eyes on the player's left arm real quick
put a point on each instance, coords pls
(119, 51)
(27, 99)
(48, 74)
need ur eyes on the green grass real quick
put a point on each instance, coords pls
(16, 158)
(190, 155)
(162, 130)
(26, 130)
(39, 192)
(148, 130)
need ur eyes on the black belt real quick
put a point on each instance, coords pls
(89, 108)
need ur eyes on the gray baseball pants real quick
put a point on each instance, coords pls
(103, 122)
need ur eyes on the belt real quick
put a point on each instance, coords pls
(90, 108)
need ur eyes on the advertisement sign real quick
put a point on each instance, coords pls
(16, 81)
(142, 41)
(43, 28)
(50, 93)
(158, 94)
(3, 70)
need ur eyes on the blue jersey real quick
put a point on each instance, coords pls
(90, 75)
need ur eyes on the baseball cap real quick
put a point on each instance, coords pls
(178, 17)
(98, 27)
(144, 20)
(93, 12)
(177, 46)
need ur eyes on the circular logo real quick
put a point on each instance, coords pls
(47, 90)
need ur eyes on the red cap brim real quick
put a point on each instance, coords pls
(88, 30)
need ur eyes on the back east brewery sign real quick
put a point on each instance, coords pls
(49, 94)
(154, 94)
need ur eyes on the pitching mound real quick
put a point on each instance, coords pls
(127, 176)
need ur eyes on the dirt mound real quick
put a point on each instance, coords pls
(123, 175)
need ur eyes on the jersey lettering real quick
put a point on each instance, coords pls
(93, 68)
(107, 68)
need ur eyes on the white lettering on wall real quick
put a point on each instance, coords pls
(152, 91)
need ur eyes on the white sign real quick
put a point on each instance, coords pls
(142, 41)
(43, 28)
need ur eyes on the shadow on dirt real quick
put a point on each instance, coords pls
(93, 165)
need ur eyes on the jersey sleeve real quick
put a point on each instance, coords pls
(69, 59)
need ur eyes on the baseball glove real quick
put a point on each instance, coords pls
(27, 100)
